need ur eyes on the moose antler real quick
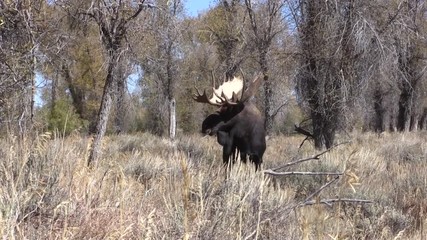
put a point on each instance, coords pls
(252, 88)
(230, 92)
(202, 98)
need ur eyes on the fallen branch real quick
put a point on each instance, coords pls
(320, 189)
(330, 201)
(302, 131)
(307, 134)
(274, 173)
(314, 157)
(303, 141)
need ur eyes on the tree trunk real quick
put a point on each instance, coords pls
(53, 94)
(33, 87)
(393, 123)
(172, 119)
(414, 122)
(319, 84)
(324, 128)
(407, 64)
(75, 92)
(104, 110)
(268, 92)
(33, 62)
(379, 117)
(267, 104)
(423, 120)
(404, 115)
(119, 120)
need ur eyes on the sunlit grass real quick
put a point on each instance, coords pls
(146, 187)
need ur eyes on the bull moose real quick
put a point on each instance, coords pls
(238, 124)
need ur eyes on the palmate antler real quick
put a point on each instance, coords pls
(229, 92)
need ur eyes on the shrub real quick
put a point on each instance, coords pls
(63, 118)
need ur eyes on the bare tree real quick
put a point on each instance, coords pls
(72, 59)
(121, 75)
(332, 71)
(160, 63)
(113, 19)
(316, 81)
(397, 89)
(265, 22)
(410, 63)
(224, 27)
(19, 37)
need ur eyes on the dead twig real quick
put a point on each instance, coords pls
(274, 173)
(330, 201)
(308, 135)
(302, 131)
(314, 157)
(320, 189)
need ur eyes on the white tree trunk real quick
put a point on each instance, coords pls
(172, 119)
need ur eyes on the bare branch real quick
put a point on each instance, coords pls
(314, 157)
(320, 189)
(304, 132)
(137, 12)
(273, 173)
(254, 26)
(273, 115)
(334, 200)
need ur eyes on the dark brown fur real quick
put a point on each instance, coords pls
(238, 127)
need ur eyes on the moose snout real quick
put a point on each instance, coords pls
(209, 132)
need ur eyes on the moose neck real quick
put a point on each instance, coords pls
(230, 111)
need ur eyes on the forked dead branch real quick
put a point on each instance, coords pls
(314, 157)
(308, 201)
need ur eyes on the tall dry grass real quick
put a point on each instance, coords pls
(145, 187)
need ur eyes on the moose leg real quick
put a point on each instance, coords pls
(229, 149)
(226, 154)
(227, 142)
(243, 157)
(235, 153)
(256, 160)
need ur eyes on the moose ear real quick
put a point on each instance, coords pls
(253, 87)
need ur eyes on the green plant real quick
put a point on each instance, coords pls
(63, 118)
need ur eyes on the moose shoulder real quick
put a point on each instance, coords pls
(238, 124)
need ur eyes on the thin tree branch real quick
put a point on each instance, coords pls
(273, 115)
(334, 200)
(314, 157)
(254, 26)
(140, 8)
(303, 141)
(320, 189)
(273, 173)
(304, 132)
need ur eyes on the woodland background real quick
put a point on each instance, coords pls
(333, 65)
(86, 107)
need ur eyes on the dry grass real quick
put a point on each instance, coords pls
(145, 187)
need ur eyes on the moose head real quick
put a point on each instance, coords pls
(238, 124)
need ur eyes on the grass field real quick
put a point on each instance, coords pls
(145, 187)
